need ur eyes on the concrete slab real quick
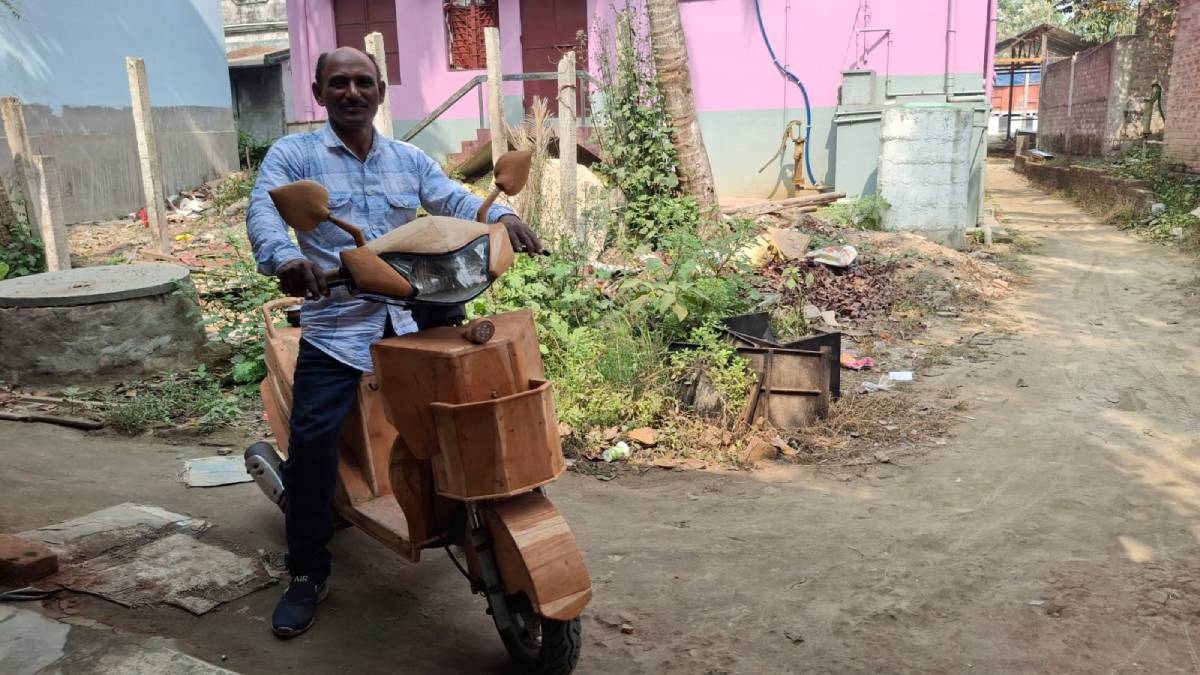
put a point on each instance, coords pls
(177, 570)
(91, 285)
(116, 526)
(32, 643)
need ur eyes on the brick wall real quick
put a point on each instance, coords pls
(1074, 119)
(1183, 98)
(1113, 84)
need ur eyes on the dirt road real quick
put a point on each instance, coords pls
(1057, 532)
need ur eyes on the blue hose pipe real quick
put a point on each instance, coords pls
(790, 77)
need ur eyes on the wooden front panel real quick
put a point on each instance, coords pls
(548, 30)
(354, 19)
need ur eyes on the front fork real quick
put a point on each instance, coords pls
(489, 570)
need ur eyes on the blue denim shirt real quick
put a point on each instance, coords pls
(377, 195)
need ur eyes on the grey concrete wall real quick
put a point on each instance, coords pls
(259, 105)
(97, 153)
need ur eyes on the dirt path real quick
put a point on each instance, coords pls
(1056, 533)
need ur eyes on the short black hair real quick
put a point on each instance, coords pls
(321, 66)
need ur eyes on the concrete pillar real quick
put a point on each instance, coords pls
(566, 145)
(147, 144)
(383, 116)
(495, 82)
(925, 170)
(22, 154)
(50, 214)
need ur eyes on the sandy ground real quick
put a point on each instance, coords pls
(1057, 532)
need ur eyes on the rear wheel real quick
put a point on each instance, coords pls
(539, 645)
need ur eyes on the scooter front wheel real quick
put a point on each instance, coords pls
(539, 645)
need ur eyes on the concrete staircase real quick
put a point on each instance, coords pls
(474, 157)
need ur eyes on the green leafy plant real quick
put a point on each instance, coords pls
(251, 150)
(22, 255)
(231, 299)
(635, 132)
(864, 213)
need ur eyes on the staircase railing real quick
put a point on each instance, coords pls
(582, 79)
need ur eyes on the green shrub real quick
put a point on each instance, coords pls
(864, 213)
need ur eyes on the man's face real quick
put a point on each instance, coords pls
(349, 90)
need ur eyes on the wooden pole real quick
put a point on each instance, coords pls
(50, 214)
(143, 126)
(566, 146)
(383, 116)
(22, 154)
(495, 80)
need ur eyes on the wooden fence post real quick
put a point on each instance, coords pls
(50, 214)
(143, 126)
(22, 154)
(566, 145)
(495, 81)
(383, 116)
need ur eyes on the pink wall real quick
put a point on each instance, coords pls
(731, 68)
(425, 79)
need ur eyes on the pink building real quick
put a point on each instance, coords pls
(900, 51)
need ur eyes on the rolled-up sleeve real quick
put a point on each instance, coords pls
(267, 232)
(444, 197)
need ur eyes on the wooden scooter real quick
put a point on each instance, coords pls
(454, 435)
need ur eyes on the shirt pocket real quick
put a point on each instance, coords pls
(330, 236)
(401, 207)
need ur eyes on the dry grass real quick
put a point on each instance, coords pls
(861, 424)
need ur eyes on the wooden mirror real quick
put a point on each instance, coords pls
(512, 171)
(511, 174)
(304, 204)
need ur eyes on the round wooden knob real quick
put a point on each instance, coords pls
(480, 331)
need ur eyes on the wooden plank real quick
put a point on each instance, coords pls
(383, 116)
(567, 146)
(51, 221)
(495, 80)
(22, 153)
(147, 144)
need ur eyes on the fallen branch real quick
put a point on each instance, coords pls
(794, 202)
(75, 422)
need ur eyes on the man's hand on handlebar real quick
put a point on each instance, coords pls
(302, 278)
(522, 237)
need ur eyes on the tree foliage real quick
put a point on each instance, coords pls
(1093, 20)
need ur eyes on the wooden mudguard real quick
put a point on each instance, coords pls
(537, 554)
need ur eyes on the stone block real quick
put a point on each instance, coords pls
(23, 561)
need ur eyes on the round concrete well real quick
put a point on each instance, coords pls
(99, 323)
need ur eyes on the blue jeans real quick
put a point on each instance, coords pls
(323, 393)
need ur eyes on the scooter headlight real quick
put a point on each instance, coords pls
(448, 278)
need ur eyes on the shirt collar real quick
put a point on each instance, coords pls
(331, 140)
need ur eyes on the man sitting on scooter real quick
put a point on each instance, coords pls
(377, 184)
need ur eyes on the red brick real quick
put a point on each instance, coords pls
(23, 561)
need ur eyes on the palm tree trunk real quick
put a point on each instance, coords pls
(675, 84)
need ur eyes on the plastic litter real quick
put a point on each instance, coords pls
(617, 452)
(834, 256)
(900, 376)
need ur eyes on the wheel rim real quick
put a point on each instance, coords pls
(529, 629)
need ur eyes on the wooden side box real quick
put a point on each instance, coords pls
(497, 447)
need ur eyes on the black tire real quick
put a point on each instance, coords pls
(541, 646)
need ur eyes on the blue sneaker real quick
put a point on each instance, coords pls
(298, 607)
